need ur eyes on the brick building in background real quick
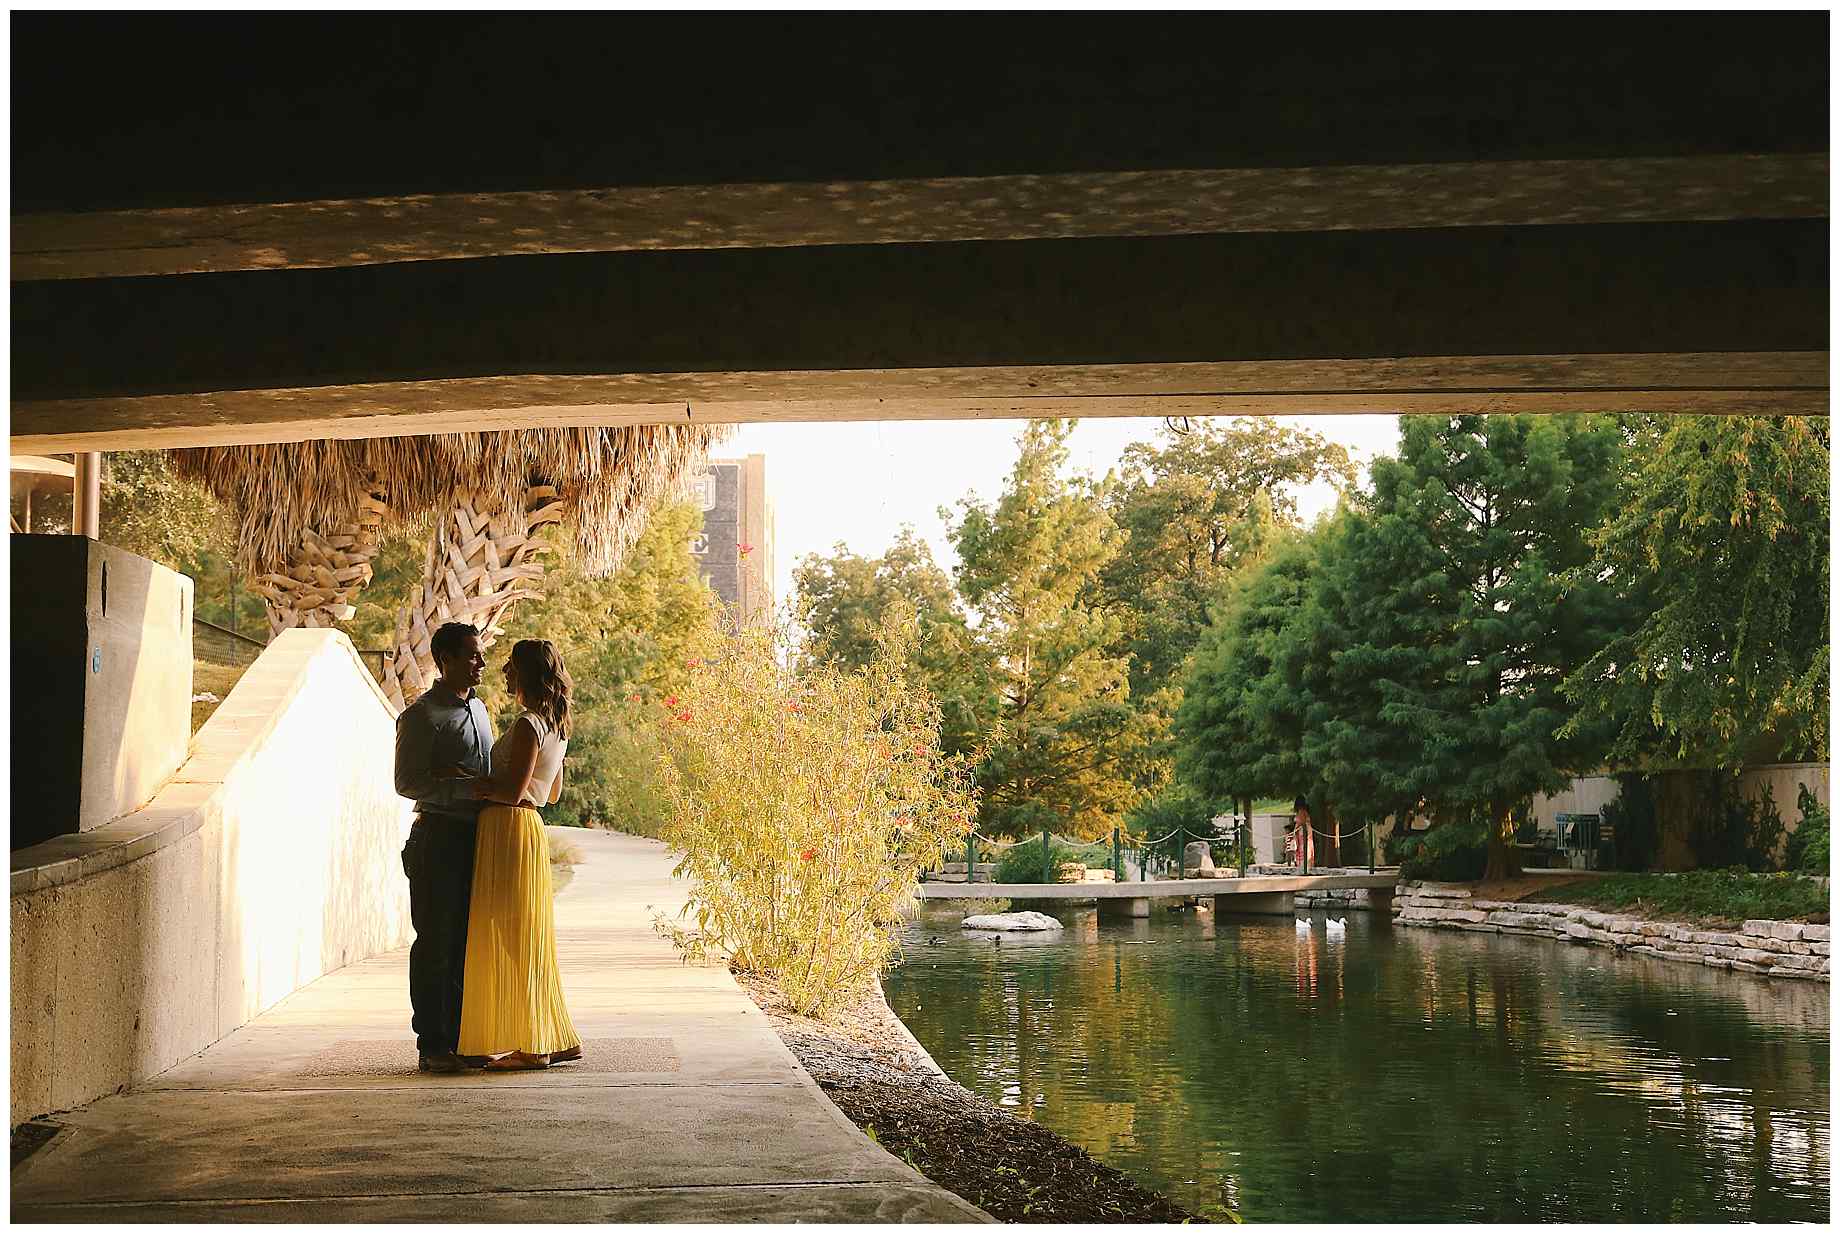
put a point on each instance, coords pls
(735, 550)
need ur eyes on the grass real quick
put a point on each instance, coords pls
(1711, 896)
(215, 679)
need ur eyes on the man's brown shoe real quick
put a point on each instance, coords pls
(442, 1064)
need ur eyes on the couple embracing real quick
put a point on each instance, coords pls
(483, 979)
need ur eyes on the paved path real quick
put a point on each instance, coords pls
(686, 1107)
(1163, 888)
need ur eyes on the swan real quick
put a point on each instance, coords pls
(1338, 927)
(1303, 925)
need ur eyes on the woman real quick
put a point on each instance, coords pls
(512, 1009)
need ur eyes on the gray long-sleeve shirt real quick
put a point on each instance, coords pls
(433, 733)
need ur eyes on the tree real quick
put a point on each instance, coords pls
(842, 601)
(1474, 546)
(1239, 729)
(311, 516)
(629, 640)
(149, 510)
(1722, 536)
(1073, 751)
(1194, 508)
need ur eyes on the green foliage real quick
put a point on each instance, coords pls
(1071, 752)
(1728, 829)
(1711, 896)
(396, 580)
(1180, 808)
(1723, 534)
(1239, 728)
(1460, 607)
(1021, 863)
(804, 809)
(149, 511)
(842, 601)
(1456, 851)
(1807, 849)
(629, 641)
(1195, 508)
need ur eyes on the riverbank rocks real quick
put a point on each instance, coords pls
(1769, 948)
(1022, 922)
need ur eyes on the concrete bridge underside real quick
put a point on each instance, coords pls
(500, 223)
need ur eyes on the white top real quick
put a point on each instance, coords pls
(551, 746)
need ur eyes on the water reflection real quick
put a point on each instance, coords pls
(1397, 1075)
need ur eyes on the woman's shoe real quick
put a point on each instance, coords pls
(517, 1060)
(566, 1056)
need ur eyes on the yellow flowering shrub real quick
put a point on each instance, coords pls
(804, 807)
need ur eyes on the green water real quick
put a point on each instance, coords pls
(1390, 1074)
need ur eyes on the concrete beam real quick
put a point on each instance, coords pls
(441, 227)
(1714, 317)
(173, 110)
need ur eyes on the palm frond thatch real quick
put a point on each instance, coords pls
(606, 476)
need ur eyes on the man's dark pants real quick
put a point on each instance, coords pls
(439, 862)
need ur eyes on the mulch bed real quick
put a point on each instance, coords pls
(1015, 1170)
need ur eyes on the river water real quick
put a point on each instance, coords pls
(1389, 1074)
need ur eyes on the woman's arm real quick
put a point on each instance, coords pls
(555, 793)
(511, 774)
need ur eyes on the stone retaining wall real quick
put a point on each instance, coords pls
(1772, 948)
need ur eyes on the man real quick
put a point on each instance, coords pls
(440, 736)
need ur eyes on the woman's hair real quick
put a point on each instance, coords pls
(542, 682)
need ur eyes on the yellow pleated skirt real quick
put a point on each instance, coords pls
(513, 989)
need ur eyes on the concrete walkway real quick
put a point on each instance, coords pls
(685, 1108)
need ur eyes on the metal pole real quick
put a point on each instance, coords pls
(1370, 846)
(970, 854)
(1117, 857)
(1181, 849)
(1245, 825)
(1047, 860)
(86, 492)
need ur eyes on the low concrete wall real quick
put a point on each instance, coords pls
(271, 858)
(1771, 948)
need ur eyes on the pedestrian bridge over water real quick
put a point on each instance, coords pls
(1265, 893)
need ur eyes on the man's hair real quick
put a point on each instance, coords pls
(448, 638)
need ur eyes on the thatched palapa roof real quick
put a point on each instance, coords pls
(606, 476)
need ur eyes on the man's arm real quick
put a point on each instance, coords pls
(415, 778)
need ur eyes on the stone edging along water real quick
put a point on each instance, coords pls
(1771, 948)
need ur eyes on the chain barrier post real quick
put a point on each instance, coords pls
(1117, 858)
(970, 857)
(1370, 846)
(1047, 858)
(1245, 825)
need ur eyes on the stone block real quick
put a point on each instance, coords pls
(1745, 967)
(1814, 933)
(1524, 921)
(1818, 948)
(1801, 963)
(1762, 959)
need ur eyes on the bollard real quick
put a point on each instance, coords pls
(1181, 847)
(1117, 858)
(1370, 846)
(1047, 858)
(1245, 825)
(970, 856)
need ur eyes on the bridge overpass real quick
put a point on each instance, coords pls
(1265, 893)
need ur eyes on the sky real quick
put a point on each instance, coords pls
(858, 483)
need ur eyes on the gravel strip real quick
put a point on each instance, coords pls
(1015, 1170)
